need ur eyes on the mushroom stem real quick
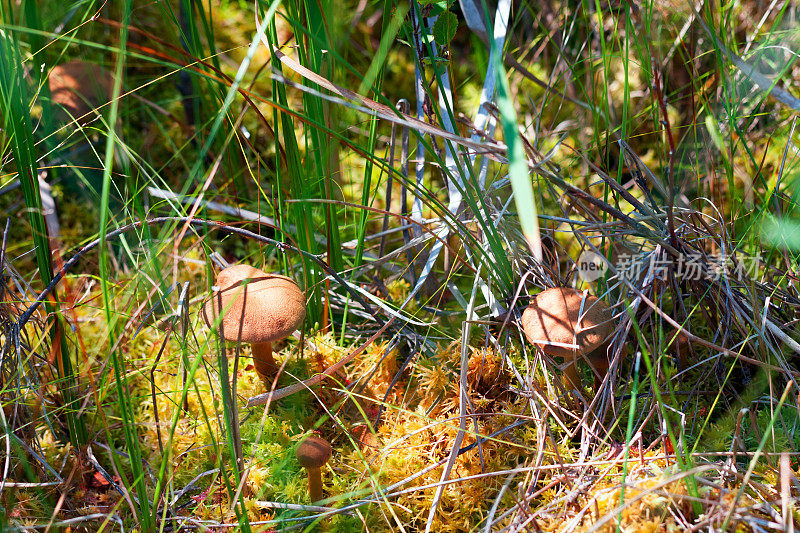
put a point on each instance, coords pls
(572, 384)
(263, 361)
(572, 380)
(681, 345)
(314, 483)
(599, 363)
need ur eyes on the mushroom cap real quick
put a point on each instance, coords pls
(260, 307)
(79, 86)
(553, 316)
(313, 452)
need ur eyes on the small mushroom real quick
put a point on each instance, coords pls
(312, 454)
(77, 88)
(682, 347)
(563, 316)
(258, 308)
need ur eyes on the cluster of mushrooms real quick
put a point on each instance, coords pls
(249, 305)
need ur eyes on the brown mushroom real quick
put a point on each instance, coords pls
(682, 347)
(79, 87)
(563, 316)
(312, 454)
(258, 308)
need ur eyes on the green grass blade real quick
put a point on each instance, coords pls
(518, 165)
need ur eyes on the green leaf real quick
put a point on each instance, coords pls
(444, 29)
